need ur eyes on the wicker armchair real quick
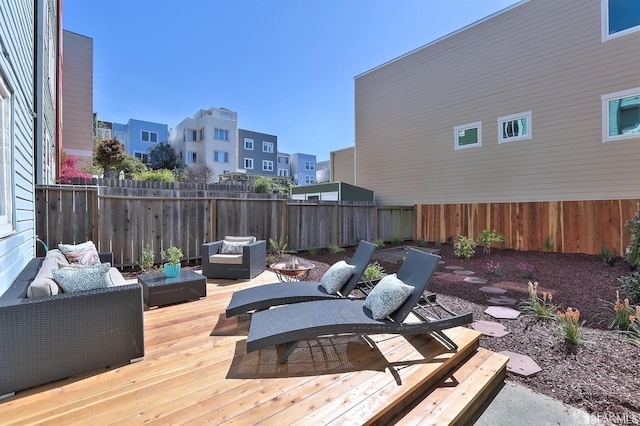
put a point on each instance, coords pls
(251, 262)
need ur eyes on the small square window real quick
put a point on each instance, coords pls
(468, 135)
(621, 115)
(267, 146)
(267, 165)
(514, 127)
(248, 144)
(619, 18)
(248, 163)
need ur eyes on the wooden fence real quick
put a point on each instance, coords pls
(125, 219)
(564, 226)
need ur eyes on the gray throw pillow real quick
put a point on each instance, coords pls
(336, 276)
(82, 279)
(387, 296)
(232, 247)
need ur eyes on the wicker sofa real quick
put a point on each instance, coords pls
(48, 338)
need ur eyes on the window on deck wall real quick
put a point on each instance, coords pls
(6, 157)
(621, 115)
(468, 135)
(514, 127)
(619, 18)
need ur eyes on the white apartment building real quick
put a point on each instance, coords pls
(209, 137)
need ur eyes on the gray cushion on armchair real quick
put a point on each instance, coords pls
(250, 262)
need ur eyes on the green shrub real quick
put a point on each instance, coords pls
(148, 258)
(633, 251)
(378, 243)
(162, 175)
(335, 249)
(488, 238)
(608, 255)
(373, 271)
(548, 244)
(464, 247)
(263, 185)
(278, 246)
(312, 251)
(631, 286)
(396, 240)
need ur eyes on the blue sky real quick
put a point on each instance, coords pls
(286, 66)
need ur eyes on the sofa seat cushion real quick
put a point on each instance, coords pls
(83, 279)
(226, 259)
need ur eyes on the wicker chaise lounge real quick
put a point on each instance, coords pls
(303, 321)
(268, 295)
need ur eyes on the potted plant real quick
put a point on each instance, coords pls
(172, 256)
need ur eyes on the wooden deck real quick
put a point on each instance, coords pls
(196, 370)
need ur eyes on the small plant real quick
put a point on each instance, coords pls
(312, 251)
(536, 306)
(608, 255)
(631, 286)
(373, 271)
(271, 259)
(570, 323)
(633, 334)
(632, 255)
(548, 244)
(616, 314)
(493, 268)
(335, 249)
(278, 246)
(172, 255)
(148, 257)
(450, 239)
(379, 243)
(464, 247)
(488, 238)
(396, 240)
(526, 270)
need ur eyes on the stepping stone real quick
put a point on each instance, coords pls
(493, 290)
(503, 301)
(441, 262)
(453, 268)
(461, 272)
(490, 328)
(521, 365)
(502, 312)
(475, 280)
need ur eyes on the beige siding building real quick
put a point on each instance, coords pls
(77, 97)
(539, 102)
(343, 165)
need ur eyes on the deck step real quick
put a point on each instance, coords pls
(457, 398)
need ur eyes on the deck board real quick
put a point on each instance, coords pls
(196, 370)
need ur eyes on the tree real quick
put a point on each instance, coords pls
(68, 169)
(109, 153)
(162, 156)
(131, 165)
(199, 173)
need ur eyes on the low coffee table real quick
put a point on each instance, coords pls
(295, 269)
(159, 290)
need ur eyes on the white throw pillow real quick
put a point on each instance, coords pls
(337, 276)
(83, 254)
(387, 296)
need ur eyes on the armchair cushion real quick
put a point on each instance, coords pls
(233, 239)
(387, 296)
(227, 259)
(337, 275)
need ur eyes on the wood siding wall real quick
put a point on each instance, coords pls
(571, 226)
(17, 33)
(124, 220)
(544, 56)
(342, 166)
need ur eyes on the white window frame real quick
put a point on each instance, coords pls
(192, 157)
(149, 133)
(604, 5)
(283, 172)
(267, 165)
(225, 156)
(522, 115)
(282, 157)
(605, 114)
(309, 179)
(309, 165)
(458, 129)
(217, 133)
(140, 155)
(191, 135)
(247, 142)
(267, 146)
(6, 159)
(248, 163)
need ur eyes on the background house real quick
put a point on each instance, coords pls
(23, 67)
(303, 168)
(527, 122)
(284, 166)
(257, 152)
(209, 137)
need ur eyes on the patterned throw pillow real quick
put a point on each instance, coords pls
(83, 254)
(336, 276)
(82, 279)
(231, 247)
(387, 296)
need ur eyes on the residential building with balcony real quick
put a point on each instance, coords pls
(303, 168)
(257, 153)
(209, 137)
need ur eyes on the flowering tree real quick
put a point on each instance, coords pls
(69, 170)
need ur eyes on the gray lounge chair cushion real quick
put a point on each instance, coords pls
(387, 296)
(336, 276)
(82, 279)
